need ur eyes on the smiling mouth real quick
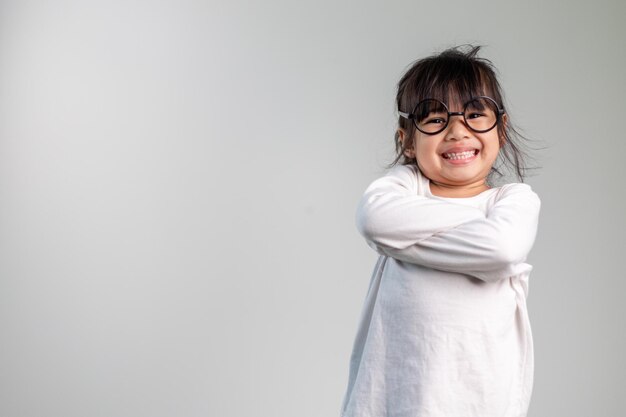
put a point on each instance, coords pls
(460, 155)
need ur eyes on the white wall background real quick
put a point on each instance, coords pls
(178, 182)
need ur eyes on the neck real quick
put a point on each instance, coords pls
(455, 191)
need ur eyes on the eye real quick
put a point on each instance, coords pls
(474, 115)
(434, 120)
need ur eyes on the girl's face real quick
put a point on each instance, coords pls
(456, 160)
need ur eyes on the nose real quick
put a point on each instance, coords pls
(457, 129)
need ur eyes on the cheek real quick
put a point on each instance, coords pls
(426, 152)
(492, 152)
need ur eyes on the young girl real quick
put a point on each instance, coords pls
(444, 331)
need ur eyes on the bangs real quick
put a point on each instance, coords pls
(454, 86)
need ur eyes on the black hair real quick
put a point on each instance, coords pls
(458, 74)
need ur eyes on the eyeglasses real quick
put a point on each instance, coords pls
(431, 116)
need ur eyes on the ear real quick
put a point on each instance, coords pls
(402, 136)
(505, 122)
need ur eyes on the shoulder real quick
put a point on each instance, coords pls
(404, 176)
(407, 171)
(518, 187)
(519, 190)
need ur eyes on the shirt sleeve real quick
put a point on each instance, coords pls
(398, 222)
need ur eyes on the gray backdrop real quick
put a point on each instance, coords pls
(178, 182)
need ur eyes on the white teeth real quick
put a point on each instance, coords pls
(460, 155)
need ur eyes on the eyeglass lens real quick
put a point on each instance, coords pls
(431, 116)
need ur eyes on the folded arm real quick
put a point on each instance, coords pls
(399, 223)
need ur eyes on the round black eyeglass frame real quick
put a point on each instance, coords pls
(413, 116)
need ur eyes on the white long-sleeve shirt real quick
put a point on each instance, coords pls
(444, 330)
